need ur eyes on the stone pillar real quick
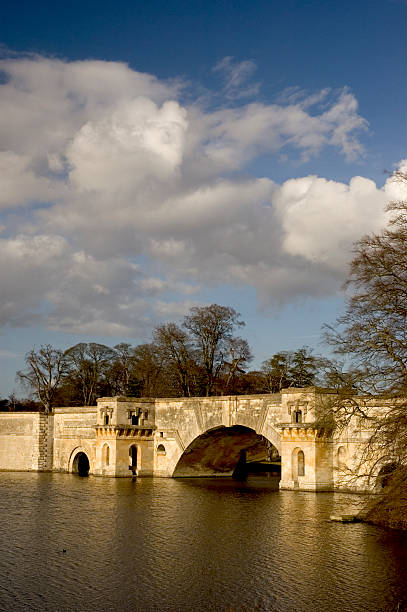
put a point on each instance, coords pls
(120, 439)
(306, 459)
(43, 443)
(306, 454)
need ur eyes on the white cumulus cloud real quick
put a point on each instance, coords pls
(126, 200)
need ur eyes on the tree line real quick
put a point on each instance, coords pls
(202, 356)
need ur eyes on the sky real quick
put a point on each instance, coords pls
(159, 155)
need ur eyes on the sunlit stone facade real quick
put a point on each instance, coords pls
(127, 437)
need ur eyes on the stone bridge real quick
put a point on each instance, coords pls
(183, 437)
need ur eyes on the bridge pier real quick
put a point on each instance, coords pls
(306, 461)
(306, 453)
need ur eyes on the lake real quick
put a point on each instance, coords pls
(190, 544)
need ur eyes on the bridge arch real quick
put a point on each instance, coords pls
(79, 462)
(217, 451)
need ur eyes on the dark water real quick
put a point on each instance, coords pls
(189, 545)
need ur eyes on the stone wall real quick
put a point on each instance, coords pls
(25, 441)
(74, 431)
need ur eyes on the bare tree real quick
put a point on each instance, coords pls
(211, 327)
(373, 335)
(238, 355)
(334, 374)
(87, 365)
(373, 330)
(175, 346)
(44, 372)
(148, 368)
(123, 367)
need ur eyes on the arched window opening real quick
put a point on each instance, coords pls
(135, 419)
(106, 455)
(106, 419)
(161, 449)
(297, 416)
(301, 463)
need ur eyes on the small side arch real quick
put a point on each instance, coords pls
(79, 462)
(161, 450)
(134, 458)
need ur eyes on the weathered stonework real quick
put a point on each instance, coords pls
(123, 437)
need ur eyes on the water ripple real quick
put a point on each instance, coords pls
(193, 545)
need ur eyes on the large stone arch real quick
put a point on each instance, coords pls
(216, 451)
(180, 422)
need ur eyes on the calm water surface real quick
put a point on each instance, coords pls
(193, 545)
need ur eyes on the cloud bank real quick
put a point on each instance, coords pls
(119, 202)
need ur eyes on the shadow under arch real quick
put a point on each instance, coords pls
(218, 451)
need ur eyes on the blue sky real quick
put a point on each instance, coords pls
(157, 155)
